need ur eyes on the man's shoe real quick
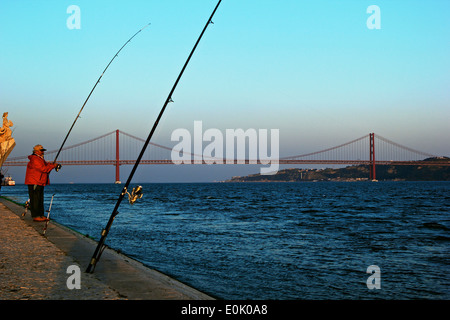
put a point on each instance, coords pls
(40, 219)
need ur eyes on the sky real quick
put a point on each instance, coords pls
(314, 70)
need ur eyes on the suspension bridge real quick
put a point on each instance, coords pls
(119, 148)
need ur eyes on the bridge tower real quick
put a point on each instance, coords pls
(117, 165)
(372, 156)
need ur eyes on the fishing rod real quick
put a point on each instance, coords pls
(78, 116)
(48, 216)
(101, 244)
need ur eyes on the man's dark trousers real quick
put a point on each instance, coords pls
(36, 194)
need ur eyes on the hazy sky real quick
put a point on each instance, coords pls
(312, 69)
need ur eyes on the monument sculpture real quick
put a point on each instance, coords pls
(7, 142)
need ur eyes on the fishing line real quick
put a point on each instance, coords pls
(101, 246)
(78, 115)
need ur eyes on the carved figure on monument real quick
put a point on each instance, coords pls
(5, 131)
(7, 143)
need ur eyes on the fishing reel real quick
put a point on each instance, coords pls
(136, 193)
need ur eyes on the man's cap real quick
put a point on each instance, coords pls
(38, 147)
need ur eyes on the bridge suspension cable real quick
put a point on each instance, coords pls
(101, 150)
(325, 150)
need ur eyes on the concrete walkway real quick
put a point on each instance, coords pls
(35, 267)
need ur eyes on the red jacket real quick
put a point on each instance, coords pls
(38, 170)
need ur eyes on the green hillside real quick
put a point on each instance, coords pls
(357, 173)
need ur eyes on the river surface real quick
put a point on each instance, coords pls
(280, 241)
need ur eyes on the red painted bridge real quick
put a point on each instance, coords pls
(119, 148)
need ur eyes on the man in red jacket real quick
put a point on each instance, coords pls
(37, 178)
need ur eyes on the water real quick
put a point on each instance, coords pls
(276, 240)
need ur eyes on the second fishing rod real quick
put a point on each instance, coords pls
(101, 244)
(92, 90)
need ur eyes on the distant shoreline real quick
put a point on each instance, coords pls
(238, 181)
(356, 173)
